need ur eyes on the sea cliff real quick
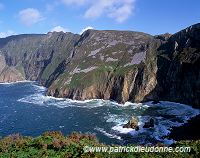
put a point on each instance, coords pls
(115, 65)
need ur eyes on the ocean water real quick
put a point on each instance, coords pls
(25, 109)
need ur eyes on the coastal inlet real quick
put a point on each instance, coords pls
(25, 109)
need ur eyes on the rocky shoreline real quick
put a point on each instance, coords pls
(189, 131)
(112, 65)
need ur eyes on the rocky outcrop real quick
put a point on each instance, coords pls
(149, 123)
(133, 123)
(116, 65)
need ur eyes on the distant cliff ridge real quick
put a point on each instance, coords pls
(116, 65)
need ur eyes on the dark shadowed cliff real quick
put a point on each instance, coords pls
(116, 65)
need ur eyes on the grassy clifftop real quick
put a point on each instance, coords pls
(56, 145)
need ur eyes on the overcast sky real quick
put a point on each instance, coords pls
(150, 16)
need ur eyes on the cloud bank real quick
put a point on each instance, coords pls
(59, 29)
(30, 16)
(119, 10)
(7, 33)
(85, 29)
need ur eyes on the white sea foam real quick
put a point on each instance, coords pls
(163, 124)
(176, 109)
(53, 98)
(39, 88)
(11, 83)
(93, 103)
(40, 99)
(122, 130)
(108, 134)
(165, 114)
(133, 105)
(37, 99)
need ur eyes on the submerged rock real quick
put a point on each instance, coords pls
(155, 102)
(149, 124)
(133, 123)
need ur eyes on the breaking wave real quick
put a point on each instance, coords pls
(108, 134)
(17, 82)
(166, 115)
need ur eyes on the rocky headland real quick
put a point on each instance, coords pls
(115, 65)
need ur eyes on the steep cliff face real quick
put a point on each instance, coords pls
(9, 74)
(37, 56)
(116, 65)
(178, 59)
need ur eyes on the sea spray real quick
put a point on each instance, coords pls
(113, 116)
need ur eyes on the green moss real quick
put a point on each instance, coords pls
(97, 76)
(79, 80)
(51, 68)
(60, 82)
(123, 70)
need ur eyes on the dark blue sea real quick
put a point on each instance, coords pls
(25, 109)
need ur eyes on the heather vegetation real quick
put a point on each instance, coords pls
(56, 145)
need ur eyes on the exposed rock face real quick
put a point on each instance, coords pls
(116, 65)
(133, 123)
(9, 74)
(37, 56)
(2, 63)
(178, 60)
(130, 75)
